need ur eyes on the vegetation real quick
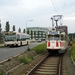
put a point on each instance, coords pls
(26, 60)
(7, 27)
(31, 57)
(2, 46)
(1, 38)
(40, 48)
(28, 31)
(28, 49)
(71, 36)
(23, 30)
(13, 27)
(35, 34)
(19, 30)
(31, 34)
(74, 40)
(73, 51)
(38, 34)
(2, 72)
(0, 28)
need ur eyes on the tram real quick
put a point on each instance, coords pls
(57, 41)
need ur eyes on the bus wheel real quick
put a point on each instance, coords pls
(20, 43)
(27, 42)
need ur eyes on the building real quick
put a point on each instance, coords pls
(37, 32)
(64, 28)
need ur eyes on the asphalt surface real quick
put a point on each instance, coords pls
(8, 52)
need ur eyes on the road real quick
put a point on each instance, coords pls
(8, 52)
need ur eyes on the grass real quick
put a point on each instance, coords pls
(73, 51)
(40, 48)
(1, 72)
(26, 60)
(1, 46)
(28, 49)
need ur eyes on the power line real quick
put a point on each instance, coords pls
(54, 6)
(64, 7)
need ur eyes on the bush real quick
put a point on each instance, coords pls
(24, 60)
(1, 72)
(74, 40)
(73, 51)
(28, 49)
(31, 57)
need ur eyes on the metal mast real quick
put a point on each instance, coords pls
(56, 18)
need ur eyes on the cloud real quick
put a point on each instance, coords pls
(17, 12)
(70, 17)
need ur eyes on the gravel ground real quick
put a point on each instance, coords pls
(70, 68)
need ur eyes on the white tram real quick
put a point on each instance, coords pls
(57, 41)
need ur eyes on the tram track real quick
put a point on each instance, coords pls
(49, 65)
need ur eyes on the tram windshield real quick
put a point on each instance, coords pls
(53, 37)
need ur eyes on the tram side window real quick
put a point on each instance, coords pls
(62, 37)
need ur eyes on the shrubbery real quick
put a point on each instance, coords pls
(26, 60)
(73, 51)
(1, 72)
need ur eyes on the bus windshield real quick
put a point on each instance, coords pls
(10, 37)
(53, 37)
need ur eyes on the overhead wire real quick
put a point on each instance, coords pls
(54, 6)
(64, 7)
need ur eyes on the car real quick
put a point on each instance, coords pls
(33, 40)
(39, 40)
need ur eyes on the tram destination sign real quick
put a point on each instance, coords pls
(53, 33)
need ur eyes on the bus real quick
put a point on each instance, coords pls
(16, 39)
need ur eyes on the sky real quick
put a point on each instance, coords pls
(36, 13)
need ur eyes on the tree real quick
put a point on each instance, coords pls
(31, 34)
(28, 31)
(35, 34)
(7, 27)
(42, 34)
(38, 34)
(23, 30)
(13, 27)
(1, 38)
(0, 28)
(19, 30)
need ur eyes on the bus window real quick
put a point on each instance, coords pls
(10, 38)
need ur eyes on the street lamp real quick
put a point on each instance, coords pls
(26, 24)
